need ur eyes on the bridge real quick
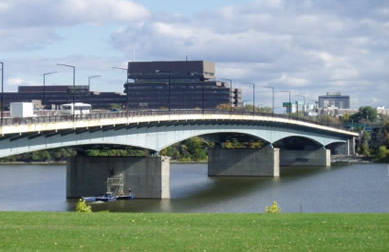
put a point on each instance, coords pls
(158, 129)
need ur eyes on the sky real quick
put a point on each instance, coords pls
(308, 47)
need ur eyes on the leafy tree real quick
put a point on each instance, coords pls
(382, 153)
(364, 114)
(364, 145)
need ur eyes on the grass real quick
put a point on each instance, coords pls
(193, 232)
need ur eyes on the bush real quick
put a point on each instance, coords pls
(382, 153)
(82, 207)
(274, 208)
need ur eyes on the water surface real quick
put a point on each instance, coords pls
(350, 188)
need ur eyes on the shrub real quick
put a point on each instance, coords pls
(274, 208)
(82, 207)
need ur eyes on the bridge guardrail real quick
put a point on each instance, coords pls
(138, 113)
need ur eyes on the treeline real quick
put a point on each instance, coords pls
(191, 150)
(54, 155)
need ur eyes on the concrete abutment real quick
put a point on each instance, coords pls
(318, 157)
(244, 162)
(148, 177)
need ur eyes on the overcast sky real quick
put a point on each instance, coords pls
(307, 46)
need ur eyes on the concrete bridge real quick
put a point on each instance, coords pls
(155, 130)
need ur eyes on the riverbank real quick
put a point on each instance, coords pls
(193, 232)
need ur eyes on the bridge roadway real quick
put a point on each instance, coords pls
(154, 130)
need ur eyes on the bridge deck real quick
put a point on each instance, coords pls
(38, 125)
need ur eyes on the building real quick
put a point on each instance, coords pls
(53, 96)
(336, 100)
(178, 85)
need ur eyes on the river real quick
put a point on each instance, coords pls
(347, 188)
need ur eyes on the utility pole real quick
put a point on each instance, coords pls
(44, 87)
(127, 83)
(2, 94)
(89, 78)
(74, 85)
(272, 106)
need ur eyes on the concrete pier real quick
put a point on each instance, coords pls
(243, 162)
(148, 177)
(318, 157)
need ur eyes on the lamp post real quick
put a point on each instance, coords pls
(74, 83)
(169, 88)
(303, 104)
(127, 98)
(272, 104)
(253, 84)
(202, 86)
(233, 93)
(89, 78)
(44, 87)
(290, 100)
(2, 94)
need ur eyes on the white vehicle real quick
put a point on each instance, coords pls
(79, 108)
(21, 109)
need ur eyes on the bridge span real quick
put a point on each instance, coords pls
(156, 130)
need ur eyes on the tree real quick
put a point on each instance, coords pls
(364, 145)
(382, 153)
(364, 114)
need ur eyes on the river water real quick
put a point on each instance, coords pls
(348, 188)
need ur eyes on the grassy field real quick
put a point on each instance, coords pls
(193, 232)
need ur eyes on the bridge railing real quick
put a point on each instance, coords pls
(139, 113)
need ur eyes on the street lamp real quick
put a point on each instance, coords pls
(169, 82)
(303, 104)
(125, 69)
(290, 100)
(74, 83)
(44, 87)
(2, 94)
(203, 87)
(272, 90)
(89, 78)
(253, 84)
(233, 93)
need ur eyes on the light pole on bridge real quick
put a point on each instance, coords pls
(272, 90)
(44, 87)
(2, 93)
(169, 84)
(89, 81)
(127, 98)
(233, 92)
(74, 84)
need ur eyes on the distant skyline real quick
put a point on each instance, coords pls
(310, 47)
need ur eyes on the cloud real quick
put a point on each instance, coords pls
(46, 13)
(33, 24)
(310, 46)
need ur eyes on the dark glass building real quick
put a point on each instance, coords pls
(57, 95)
(334, 100)
(178, 85)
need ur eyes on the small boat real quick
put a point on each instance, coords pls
(108, 197)
(114, 192)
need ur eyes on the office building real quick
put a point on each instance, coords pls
(53, 96)
(178, 85)
(336, 100)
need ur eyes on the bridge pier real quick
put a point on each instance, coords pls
(244, 162)
(318, 157)
(148, 177)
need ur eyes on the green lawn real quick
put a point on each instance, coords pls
(193, 232)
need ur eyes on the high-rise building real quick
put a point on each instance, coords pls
(334, 100)
(178, 85)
